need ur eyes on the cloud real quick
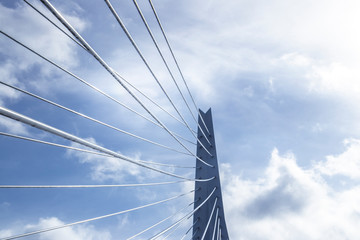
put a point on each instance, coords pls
(80, 232)
(7, 73)
(317, 43)
(345, 164)
(336, 78)
(104, 168)
(21, 67)
(12, 126)
(27, 26)
(112, 169)
(290, 202)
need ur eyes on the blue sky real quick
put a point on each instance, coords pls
(282, 80)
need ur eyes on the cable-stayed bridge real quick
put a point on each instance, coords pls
(189, 132)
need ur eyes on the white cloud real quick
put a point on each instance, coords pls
(113, 169)
(346, 163)
(317, 42)
(289, 203)
(310, 49)
(7, 75)
(27, 26)
(105, 168)
(296, 59)
(12, 126)
(31, 29)
(79, 232)
(338, 79)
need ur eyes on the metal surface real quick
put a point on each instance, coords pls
(202, 216)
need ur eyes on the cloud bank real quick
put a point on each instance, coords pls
(290, 202)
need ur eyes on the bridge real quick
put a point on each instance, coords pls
(205, 219)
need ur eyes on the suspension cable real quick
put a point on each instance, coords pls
(118, 19)
(176, 62)
(151, 71)
(220, 233)
(194, 234)
(55, 25)
(112, 72)
(156, 104)
(91, 119)
(210, 218)
(183, 218)
(171, 232)
(216, 218)
(93, 219)
(187, 232)
(93, 186)
(218, 228)
(167, 66)
(19, 117)
(87, 151)
(161, 221)
(150, 99)
(90, 85)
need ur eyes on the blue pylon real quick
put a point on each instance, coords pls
(202, 216)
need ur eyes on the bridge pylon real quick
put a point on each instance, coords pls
(209, 221)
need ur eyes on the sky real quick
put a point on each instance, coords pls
(281, 78)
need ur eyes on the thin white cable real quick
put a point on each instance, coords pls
(19, 117)
(216, 217)
(171, 232)
(156, 104)
(183, 218)
(187, 232)
(91, 119)
(112, 72)
(54, 24)
(152, 73)
(176, 62)
(87, 151)
(118, 19)
(218, 229)
(159, 222)
(210, 218)
(93, 186)
(167, 66)
(150, 99)
(92, 219)
(194, 234)
(90, 85)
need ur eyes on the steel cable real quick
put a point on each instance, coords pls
(187, 232)
(112, 72)
(159, 222)
(176, 62)
(87, 151)
(90, 85)
(93, 219)
(167, 66)
(183, 218)
(210, 218)
(92, 186)
(214, 230)
(19, 117)
(92, 119)
(151, 71)
(54, 24)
